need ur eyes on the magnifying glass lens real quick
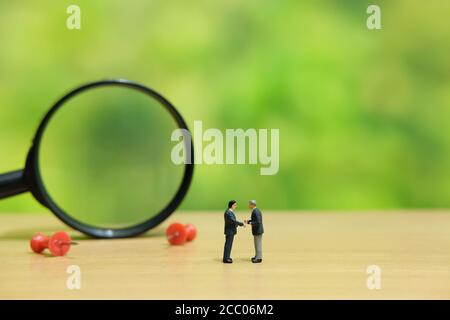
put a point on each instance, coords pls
(105, 157)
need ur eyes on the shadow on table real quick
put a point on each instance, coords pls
(234, 260)
(27, 233)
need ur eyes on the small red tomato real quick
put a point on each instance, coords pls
(176, 234)
(59, 243)
(191, 231)
(39, 242)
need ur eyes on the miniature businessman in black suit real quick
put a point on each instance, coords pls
(257, 230)
(230, 230)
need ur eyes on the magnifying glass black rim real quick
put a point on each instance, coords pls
(40, 192)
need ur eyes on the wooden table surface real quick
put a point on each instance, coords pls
(307, 255)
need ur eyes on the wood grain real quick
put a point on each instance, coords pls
(307, 255)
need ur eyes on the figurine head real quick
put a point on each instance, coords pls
(252, 204)
(232, 204)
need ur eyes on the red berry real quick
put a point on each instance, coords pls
(176, 234)
(191, 231)
(39, 242)
(59, 243)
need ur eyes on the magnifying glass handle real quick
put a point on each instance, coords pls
(12, 183)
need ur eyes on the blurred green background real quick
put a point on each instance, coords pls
(364, 116)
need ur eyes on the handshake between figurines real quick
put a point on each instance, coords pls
(231, 224)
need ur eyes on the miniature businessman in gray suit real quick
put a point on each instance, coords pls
(230, 230)
(257, 230)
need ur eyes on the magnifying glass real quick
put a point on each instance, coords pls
(101, 160)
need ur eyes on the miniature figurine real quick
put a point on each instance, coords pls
(230, 230)
(257, 230)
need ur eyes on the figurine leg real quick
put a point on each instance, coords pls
(228, 246)
(258, 246)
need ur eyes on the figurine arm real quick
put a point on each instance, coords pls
(233, 220)
(257, 219)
